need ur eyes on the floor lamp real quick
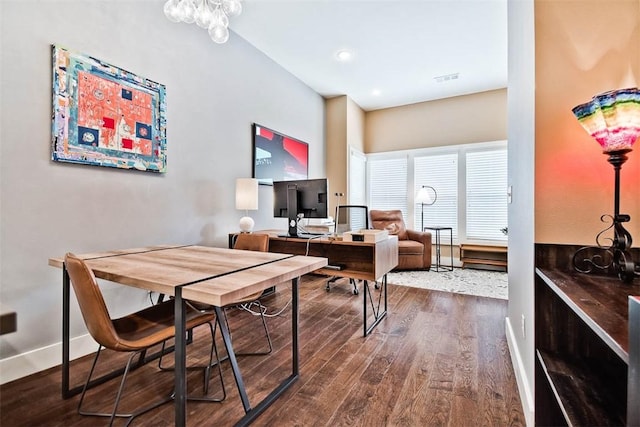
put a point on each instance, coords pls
(426, 195)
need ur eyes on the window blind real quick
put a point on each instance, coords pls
(388, 184)
(357, 187)
(486, 192)
(439, 171)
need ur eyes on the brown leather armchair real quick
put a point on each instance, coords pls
(414, 247)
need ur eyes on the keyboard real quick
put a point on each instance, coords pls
(304, 235)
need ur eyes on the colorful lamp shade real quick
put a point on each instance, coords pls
(612, 118)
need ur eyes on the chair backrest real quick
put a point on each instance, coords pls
(94, 310)
(391, 221)
(252, 242)
(351, 218)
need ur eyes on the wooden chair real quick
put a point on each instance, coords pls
(252, 242)
(134, 333)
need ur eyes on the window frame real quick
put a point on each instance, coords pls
(410, 155)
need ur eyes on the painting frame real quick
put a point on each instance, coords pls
(103, 115)
(278, 157)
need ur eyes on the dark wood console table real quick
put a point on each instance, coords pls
(587, 340)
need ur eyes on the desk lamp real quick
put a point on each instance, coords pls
(247, 199)
(426, 195)
(613, 119)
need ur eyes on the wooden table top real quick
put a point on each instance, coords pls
(226, 289)
(230, 273)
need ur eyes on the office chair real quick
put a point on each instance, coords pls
(252, 242)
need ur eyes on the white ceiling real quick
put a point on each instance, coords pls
(398, 46)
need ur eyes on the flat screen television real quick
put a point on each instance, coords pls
(278, 157)
(306, 198)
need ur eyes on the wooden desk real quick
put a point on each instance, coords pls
(211, 275)
(8, 320)
(358, 260)
(587, 349)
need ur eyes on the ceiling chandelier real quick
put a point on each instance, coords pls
(210, 14)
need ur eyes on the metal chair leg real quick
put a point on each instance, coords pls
(266, 332)
(206, 369)
(114, 413)
(352, 282)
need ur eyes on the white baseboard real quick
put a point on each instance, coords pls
(22, 365)
(524, 388)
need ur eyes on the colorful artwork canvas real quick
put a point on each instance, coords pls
(106, 116)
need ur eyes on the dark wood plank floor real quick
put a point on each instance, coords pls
(438, 359)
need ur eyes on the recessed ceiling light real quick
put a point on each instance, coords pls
(343, 55)
(376, 92)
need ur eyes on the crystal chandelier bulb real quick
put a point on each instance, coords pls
(204, 15)
(232, 7)
(188, 11)
(172, 10)
(210, 14)
(219, 33)
(219, 17)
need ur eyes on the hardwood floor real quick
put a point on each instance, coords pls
(437, 359)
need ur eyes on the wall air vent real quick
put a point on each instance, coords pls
(446, 77)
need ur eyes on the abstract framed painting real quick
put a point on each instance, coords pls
(106, 116)
(278, 157)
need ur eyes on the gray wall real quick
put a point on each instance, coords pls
(214, 93)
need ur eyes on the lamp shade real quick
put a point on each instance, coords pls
(612, 118)
(426, 195)
(247, 193)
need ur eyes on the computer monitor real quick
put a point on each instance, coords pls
(306, 197)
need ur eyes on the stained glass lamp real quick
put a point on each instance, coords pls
(613, 119)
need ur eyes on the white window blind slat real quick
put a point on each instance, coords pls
(486, 192)
(357, 188)
(439, 171)
(388, 184)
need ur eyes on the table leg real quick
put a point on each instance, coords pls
(295, 314)
(180, 360)
(226, 338)
(451, 247)
(438, 250)
(65, 332)
(252, 413)
(377, 313)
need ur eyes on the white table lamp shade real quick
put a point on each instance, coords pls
(246, 199)
(247, 194)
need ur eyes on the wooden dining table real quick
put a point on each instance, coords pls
(216, 276)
